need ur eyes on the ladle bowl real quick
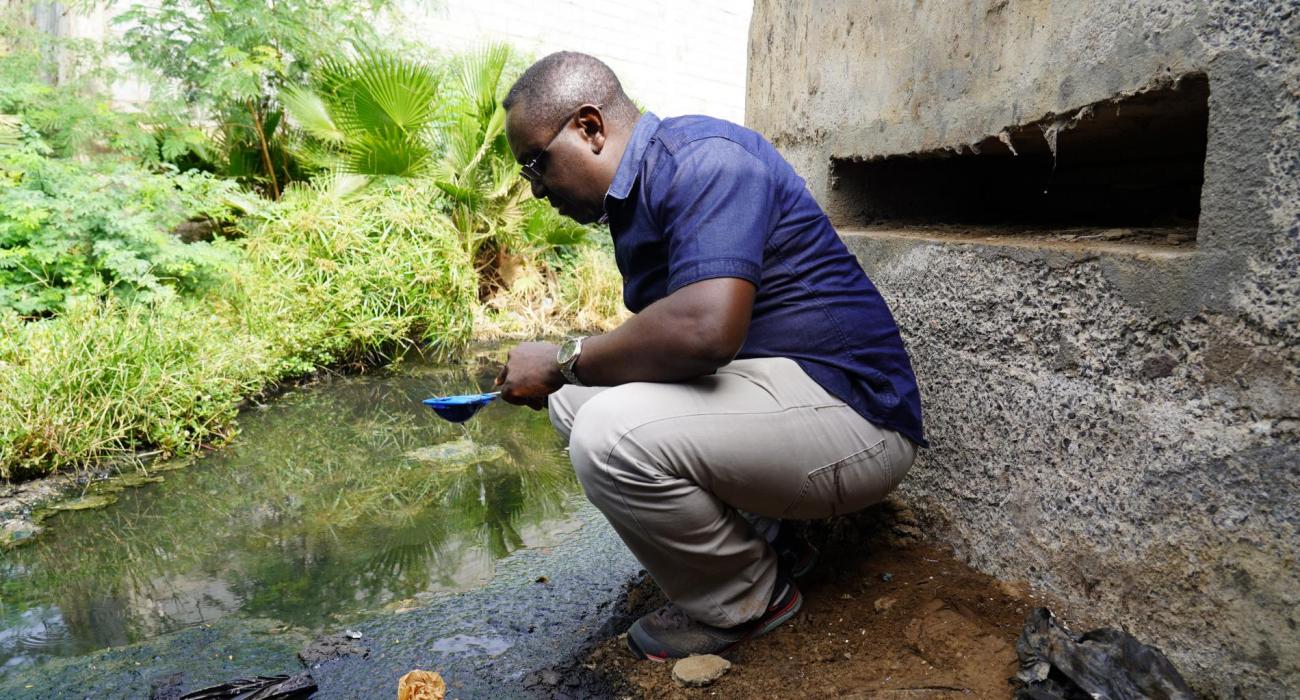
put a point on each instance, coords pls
(461, 408)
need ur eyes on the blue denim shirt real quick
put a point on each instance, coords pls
(696, 198)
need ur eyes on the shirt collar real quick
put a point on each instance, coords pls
(630, 165)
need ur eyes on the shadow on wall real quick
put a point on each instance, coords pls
(1135, 161)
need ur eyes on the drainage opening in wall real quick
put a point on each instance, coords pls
(1123, 170)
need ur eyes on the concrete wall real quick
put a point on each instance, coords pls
(1118, 424)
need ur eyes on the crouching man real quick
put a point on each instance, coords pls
(762, 376)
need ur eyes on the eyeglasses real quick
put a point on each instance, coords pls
(532, 170)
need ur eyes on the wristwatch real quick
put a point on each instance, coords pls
(567, 359)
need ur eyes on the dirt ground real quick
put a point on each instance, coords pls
(884, 616)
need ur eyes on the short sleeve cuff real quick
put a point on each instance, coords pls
(715, 267)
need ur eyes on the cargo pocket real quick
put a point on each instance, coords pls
(850, 484)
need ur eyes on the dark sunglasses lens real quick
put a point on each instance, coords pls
(530, 174)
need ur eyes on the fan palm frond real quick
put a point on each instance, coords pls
(480, 78)
(387, 152)
(394, 93)
(10, 129)
(309, 110)
(373, 113)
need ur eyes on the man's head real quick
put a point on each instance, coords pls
(570, 120)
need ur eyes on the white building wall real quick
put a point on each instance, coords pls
(672, 56)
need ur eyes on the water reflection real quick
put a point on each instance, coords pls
(316, 512)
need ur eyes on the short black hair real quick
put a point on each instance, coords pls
(559, 83)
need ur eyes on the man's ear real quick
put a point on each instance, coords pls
(592, 123)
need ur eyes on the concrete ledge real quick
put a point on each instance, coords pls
(1082, 244)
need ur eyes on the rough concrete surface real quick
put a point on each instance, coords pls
(1117, 425)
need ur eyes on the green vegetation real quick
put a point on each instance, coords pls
(70, 230)
(228, 61)
(399, 221)
(321, 280)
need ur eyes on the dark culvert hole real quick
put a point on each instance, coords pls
(1133, 162)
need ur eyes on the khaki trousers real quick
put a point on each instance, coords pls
(676, 467)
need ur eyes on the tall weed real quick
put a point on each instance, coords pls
(335, 278)
(577, 290)
(107, 378)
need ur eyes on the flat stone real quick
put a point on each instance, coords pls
(86, 503)
(884, 603)
(700, 671)
(17, 531)
(457, 453)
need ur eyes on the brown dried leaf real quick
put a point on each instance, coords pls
(421, 685)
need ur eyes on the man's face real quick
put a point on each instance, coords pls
(568, 159)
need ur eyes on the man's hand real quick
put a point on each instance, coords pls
(530, 375)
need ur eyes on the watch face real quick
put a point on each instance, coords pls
(567, 350)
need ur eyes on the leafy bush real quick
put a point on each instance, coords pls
(68, 229)
(575, 289)
(382, 114)
(336, 277)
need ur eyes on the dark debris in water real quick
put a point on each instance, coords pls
(282, 687)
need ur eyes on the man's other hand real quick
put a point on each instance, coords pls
(530, 375)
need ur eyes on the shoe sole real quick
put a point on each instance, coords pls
(782, 616)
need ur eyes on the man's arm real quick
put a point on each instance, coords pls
(688, 333)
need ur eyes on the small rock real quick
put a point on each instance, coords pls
(352, 634)
(886, 577)
(168, 687)
(700, 671)
(550, 677)
(331, 647)
(542, 579)
(17, 530)
(884, 603)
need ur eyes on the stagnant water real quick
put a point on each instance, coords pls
(336, 499)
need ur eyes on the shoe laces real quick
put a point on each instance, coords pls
(673, 617)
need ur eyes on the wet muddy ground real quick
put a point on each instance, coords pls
(885, 616)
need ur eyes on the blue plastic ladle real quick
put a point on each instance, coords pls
(459, 409)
